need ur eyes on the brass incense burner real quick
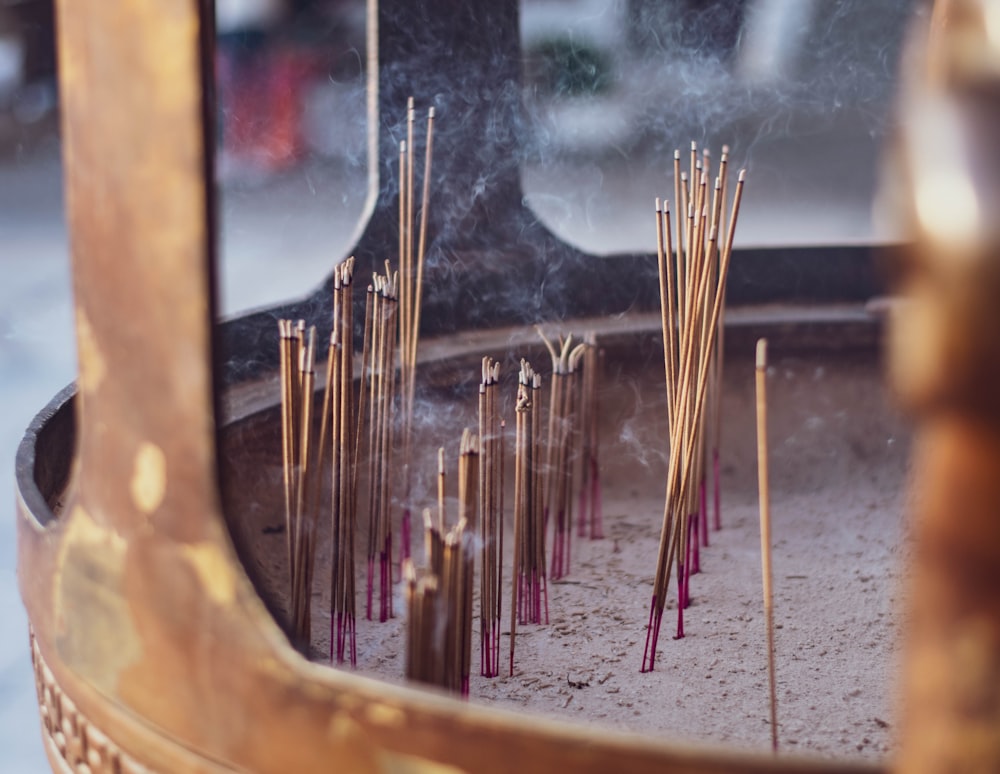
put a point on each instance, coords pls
(153, 649)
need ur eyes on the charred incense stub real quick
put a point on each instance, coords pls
(439, 620)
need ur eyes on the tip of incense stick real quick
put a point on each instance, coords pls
(677, 154)
(441, 460)
(409, 103)
(761, 354)
(694, 145)
(743, 175)
(430, 112)
(658, 207)
(402, 146)
(725, 149)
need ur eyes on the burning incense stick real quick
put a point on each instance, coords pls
(491, 519)
(303, 457)
(560, 457)
(529, 593)
(299, 469)
(381, 390)
(689, 321)
(344, 465)
(590, 480)
(765, 528)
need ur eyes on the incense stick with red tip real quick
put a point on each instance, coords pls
(700, 268)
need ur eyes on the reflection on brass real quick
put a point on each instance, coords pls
(944, 185)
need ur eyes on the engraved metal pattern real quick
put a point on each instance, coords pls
(83, 748)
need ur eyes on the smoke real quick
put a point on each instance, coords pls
(638, 79)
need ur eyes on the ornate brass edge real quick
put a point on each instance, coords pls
(69, 735)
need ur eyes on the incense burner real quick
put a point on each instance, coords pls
(157, 637)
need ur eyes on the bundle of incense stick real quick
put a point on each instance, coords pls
(379, 366)
(560, 447)
(692, 286)
(300, 471)
(339, 417)
(491, 430)
(439, 621)
(590, 473)
(411, 274)
(529, 593)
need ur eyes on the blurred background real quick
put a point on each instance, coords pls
(802, 91)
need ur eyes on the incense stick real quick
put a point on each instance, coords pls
(411, 295)
(344, 447)
(560, 455)
(690, 331)
(491, 519)
(529, 593)
(765, 529)
(381, 413)
(439, 620)
(590, 471)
